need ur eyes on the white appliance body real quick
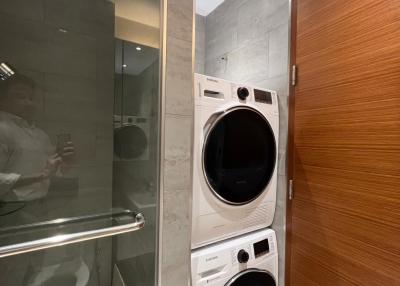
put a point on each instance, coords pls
(218, 265)
(213, 218)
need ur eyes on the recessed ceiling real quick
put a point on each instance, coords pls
(136, 57)
(205, 7)
(146, 12)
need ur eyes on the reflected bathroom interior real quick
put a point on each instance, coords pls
(92, 81)
(135, 143)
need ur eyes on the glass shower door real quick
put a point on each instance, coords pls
(79, 142)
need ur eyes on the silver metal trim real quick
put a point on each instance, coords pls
(210, 127)
(161, 141)
(294, 75)
(291, 190)
(247, 271)
(64, 239)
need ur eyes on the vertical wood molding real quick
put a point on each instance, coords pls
(290, 158)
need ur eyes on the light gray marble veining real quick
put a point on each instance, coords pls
(178, 128)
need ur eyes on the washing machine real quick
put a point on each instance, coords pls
(236, 131)
(131, 138)
(249, 260)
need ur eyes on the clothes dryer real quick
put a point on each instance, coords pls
(235, 158)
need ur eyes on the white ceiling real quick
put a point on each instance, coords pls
(205, 7)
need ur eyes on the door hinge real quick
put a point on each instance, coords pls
(291, 190)
(294, 75)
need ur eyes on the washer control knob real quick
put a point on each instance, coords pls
(242, 93)
(243, 256)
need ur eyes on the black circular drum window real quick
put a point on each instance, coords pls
(252, 277)
(239, 155)
(130, 142)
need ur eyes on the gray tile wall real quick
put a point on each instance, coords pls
(178, 126)
(200, 59)
(248, 41)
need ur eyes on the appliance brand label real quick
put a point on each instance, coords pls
(208, 259)
(213, 80)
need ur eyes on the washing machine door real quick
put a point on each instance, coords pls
(130, 142)
(252, 277)
(239, 155)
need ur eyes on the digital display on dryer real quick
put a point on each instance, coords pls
(262, 96)
(261, 247)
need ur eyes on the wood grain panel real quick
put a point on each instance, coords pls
(360, 181)
(308, 273)
(361, 160)
(379, 209)
(364, 123)
(381, 135)
(302, 279)
(345, 149)
(384, 87)
(354, 228)
(338, 28)
(329, 252)
(346, 45)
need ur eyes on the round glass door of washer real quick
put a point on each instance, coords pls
(252, 277)
(239, 155)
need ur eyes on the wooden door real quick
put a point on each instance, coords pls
(344, 219)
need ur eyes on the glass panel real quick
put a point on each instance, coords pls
(79, 133)
(239, 156)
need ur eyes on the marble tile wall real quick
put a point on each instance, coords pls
(248, 41)
(178, 128)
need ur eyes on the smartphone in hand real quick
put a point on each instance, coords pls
(62, 140)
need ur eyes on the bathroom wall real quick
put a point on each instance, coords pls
(200, 60)
(177, 145)
(247, 41)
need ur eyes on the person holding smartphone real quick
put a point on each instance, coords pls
(27, 158)
(28, 161)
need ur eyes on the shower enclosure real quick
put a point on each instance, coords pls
(79, 142)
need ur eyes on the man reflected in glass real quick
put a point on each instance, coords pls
(28, 160)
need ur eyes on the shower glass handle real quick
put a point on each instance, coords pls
(64, 239)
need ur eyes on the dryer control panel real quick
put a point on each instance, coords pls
(213, 90)
(263, 96)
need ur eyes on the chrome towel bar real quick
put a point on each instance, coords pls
(64, 239)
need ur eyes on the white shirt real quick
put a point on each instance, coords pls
(24, 150)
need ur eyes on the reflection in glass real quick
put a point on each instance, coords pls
(79, 107)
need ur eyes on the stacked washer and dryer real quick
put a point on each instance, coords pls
(234, 184)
